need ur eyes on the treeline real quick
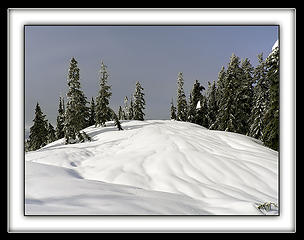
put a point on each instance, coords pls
(76, 115)
(244, 100)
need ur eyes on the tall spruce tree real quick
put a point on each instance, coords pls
(194, 113)
(181, 102)
(120, 113)
(271, 135)
(244, 97)
(131, 110)
(103, 113)
(201, 117)
(60, 119)
(92, 113)
(226, 117)
(173, 110)
(219, 97)
(51, 137)
(76, 110)
(126, 109)
(211, 103)
(39, 131)
(220, 84)
(260, 99)
(139, 102)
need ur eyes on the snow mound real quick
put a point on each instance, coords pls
(165, 167)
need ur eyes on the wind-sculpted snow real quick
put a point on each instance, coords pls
(193, 170)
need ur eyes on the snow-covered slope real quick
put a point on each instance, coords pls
(152, 167)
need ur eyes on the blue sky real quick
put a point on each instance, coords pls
(152, 55)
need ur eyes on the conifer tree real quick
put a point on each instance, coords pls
(126, 109)
(271, 135)
(39, 131)
(120, 113)
(51, 137)
(260, 99)
(201, 116)
(92, 113)
(139, 102)
(220, 84)
(76, 110)
(219, 97)
(244, 97)
(131, 110)
(173, 110)
(195, 97)
(60, 120)
(181, 103)
(226, 120)
(103, 113)
(211, 103)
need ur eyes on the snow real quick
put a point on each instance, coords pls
(276, 44)
(198, 105)
(157, 167)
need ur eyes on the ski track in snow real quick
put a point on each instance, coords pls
(227, 173)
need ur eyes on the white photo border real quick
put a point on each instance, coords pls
(17, 222)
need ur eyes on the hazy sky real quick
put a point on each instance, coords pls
(152, 55)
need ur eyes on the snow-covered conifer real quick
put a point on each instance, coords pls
(51, 134)
(173, 110)
(211, 103)
(120, 113)
(131, 110)
(226, 120)
(139, 102)
(76, 113)
(91, 120)
(244, 97)
(103, 113)
(181, 102)
(60, 119)
(271, 135)
(195, 97)
(39, 131)
(260, 99)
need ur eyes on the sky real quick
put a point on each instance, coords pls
(152, 55)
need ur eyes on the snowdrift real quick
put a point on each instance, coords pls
(152, 167)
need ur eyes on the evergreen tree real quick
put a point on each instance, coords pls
(173, 110)
(260, 99)
(194, 114)
(60, 120)
(126, 109)
(102, 101)
(244, 97)
(120, 113)
(139, 102)
(211, 103)
(76, 110)
(181, 114)
(51, 137)
(131, 110)
(92, 113)
(221, 84)
(271, 135)
(201, 116)
(39, 131)
(226, 117)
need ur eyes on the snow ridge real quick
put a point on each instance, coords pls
(161, 166)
